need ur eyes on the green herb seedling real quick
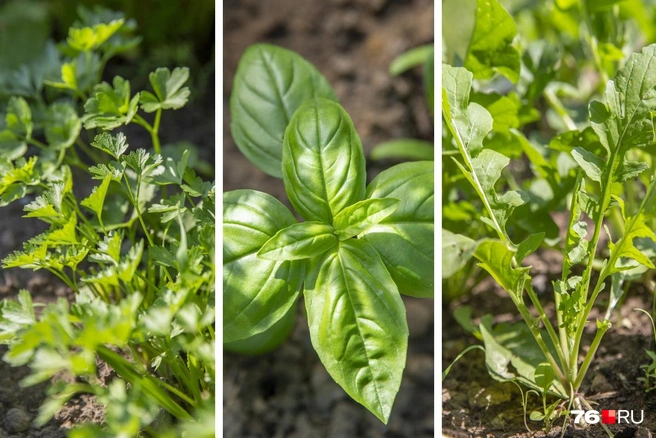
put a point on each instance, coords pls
(136, 248)
(359, 248)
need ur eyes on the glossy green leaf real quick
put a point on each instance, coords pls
(169, 93)
(403, 149)
(140, 161)
(468, 122)
(357, 324)
(498, 260)
(363, 215)
(96, 199)
(629, 170)
(271, 83)
(256, 292)
(405, 239)
(637, 226)
(114, 145)
(49, 207)
(503, 109)
(299, 241)
(457, 250)
(490, 49)
(110, 106)
(322, 161)
(528, 246)
(592, 165)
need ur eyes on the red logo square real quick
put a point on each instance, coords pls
(608, 417)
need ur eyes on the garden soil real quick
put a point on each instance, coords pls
(287, 393)
(475, 405)
(195, 123)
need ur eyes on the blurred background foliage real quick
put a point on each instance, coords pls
(173, 33)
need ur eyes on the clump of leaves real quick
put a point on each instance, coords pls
(543, 355)
(137, 249)
(359, 248)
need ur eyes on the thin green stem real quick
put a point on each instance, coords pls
(155, 132)
(547, 324)
(37, 143)
(603, 328)
(555, 103)
(88, 151)
(535, 331)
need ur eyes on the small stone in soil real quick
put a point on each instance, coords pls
(643, 433)
(17, 420)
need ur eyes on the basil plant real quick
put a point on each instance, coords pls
(359, 247)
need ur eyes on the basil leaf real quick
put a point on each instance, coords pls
(322, 161)
(357, 324)
(299, 241)
(363, 215)
(405, 239)
(270, 84)
(256, 292)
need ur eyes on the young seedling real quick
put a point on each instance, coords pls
(359, 247)
(622, 122)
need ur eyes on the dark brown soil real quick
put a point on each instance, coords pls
(288, 393)
(352, 43)
(475, 405)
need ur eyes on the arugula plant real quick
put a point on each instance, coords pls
(136, 248)
(545, 356)
(359, 248)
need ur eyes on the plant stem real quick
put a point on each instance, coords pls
(555, 103)
(152, 129)
(155, 132)
(547, 324)
(601, 330)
